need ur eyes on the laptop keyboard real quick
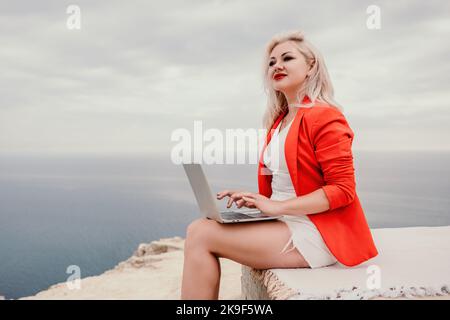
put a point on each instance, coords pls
(236, 215)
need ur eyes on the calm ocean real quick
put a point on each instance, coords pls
(94, 211)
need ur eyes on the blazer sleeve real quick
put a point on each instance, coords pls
(332, 139)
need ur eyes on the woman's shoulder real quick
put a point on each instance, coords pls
(325, 118)
(322, 112)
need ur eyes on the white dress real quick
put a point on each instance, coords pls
(304, 234)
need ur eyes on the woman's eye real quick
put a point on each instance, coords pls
(285, 59)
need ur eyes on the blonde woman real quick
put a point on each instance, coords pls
(305, 175)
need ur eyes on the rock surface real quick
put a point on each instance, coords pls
(154, 271)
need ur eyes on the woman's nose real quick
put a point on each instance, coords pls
(277, 68)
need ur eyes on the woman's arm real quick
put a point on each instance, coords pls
(314, 202)
(332, 138)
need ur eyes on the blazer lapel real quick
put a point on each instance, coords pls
(291, 149)
(264, 173)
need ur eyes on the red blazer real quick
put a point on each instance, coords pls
(318, 155)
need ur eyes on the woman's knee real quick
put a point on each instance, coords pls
(197, 233)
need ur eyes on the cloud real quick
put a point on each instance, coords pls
(138, 70)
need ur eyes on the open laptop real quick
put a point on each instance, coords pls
(207, 203)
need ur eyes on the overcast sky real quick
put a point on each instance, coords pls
(137, 70)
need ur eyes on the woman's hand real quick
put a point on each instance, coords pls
(235, 196)
(264, 204)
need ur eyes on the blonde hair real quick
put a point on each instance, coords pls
(317, 86)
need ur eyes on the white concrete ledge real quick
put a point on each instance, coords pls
(413, 263)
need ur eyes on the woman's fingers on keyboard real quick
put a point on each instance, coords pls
(223, 193)
(234, 197)
(240, 203)
(237, 197)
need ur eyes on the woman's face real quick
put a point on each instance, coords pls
(285, 59)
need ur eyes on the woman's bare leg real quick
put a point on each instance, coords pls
(254, 244)
(201, 274)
